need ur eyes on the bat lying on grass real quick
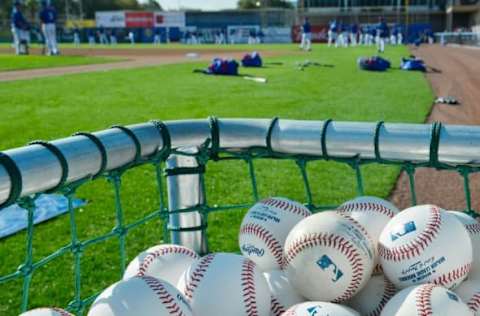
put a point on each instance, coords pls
(246, 77)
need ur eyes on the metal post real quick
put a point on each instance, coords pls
(185, 192)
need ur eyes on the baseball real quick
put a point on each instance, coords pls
(371, 300)
(426, 299)
(320, 309)
(146, 296)
(282, 292)
(421, 245)
(44, 311)
(265, 228)
(473, 230)
(469, 292)
(328, 257)
(371, 212)
(226, 284)
(164, 262)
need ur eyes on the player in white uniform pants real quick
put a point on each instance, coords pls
(76, 37)
(48, 17)
(306, 43)
(332, 33)
(19, 28)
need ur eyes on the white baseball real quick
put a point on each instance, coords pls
(265, 228)
(164, 262)
(426, 300)
(46, 311)
(226, 284)
(469, 292)
(146, 296)
(320, 309)
(425, 244)
(282, 292)
(328, 257)
(473, 229)
(371, 300)
(373, 213)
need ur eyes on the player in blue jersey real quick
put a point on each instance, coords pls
(20, 28)
(306, 43)
(48, 17)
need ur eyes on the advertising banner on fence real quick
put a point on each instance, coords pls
(110, 19)
(139, 19)
(319, 33)
(170, 19)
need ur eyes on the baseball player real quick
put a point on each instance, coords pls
(156, 37)
(382, 35)
(48, 17)
(76, 37)
(113, 36)
(19, 27)
(353, 34)
(332, 33)
(91, 37)
(131, 37)
(306, 43)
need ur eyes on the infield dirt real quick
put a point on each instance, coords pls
(459, 77)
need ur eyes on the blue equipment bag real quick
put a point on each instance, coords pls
(374, 63)
(413, 64)
(252, 60)
(223, 67)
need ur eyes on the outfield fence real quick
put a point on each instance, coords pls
(181, 150)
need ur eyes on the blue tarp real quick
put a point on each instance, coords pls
(48, 206)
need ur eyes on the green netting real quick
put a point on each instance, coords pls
(209, 153)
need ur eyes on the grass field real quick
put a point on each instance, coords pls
(11, 62)
(56, 107)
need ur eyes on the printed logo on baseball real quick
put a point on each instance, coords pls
(320, 309)
(426, 299)
(371, 300)
(226, 284)
(45, 311)
(146, 296)
(265, 228)
(282, 292)
(164, 262)
(421, 245)
(328, 257)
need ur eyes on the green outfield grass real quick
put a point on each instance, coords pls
(12, 62)
(56, 107)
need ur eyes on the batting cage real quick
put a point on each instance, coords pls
(180, 153)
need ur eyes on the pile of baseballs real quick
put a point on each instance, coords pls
(364, 258)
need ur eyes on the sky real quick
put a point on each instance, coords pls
(198, 4)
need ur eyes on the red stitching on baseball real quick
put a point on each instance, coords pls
(453, 275)
(150, 258)
(277, 309)
(335, 242)
(416, 246)
(365, 207)
(286, 206)
(423, 300)
(197, 275)
(474, 302)
(267, 237)
(167, 299)
(388, 293)
(248, 287)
